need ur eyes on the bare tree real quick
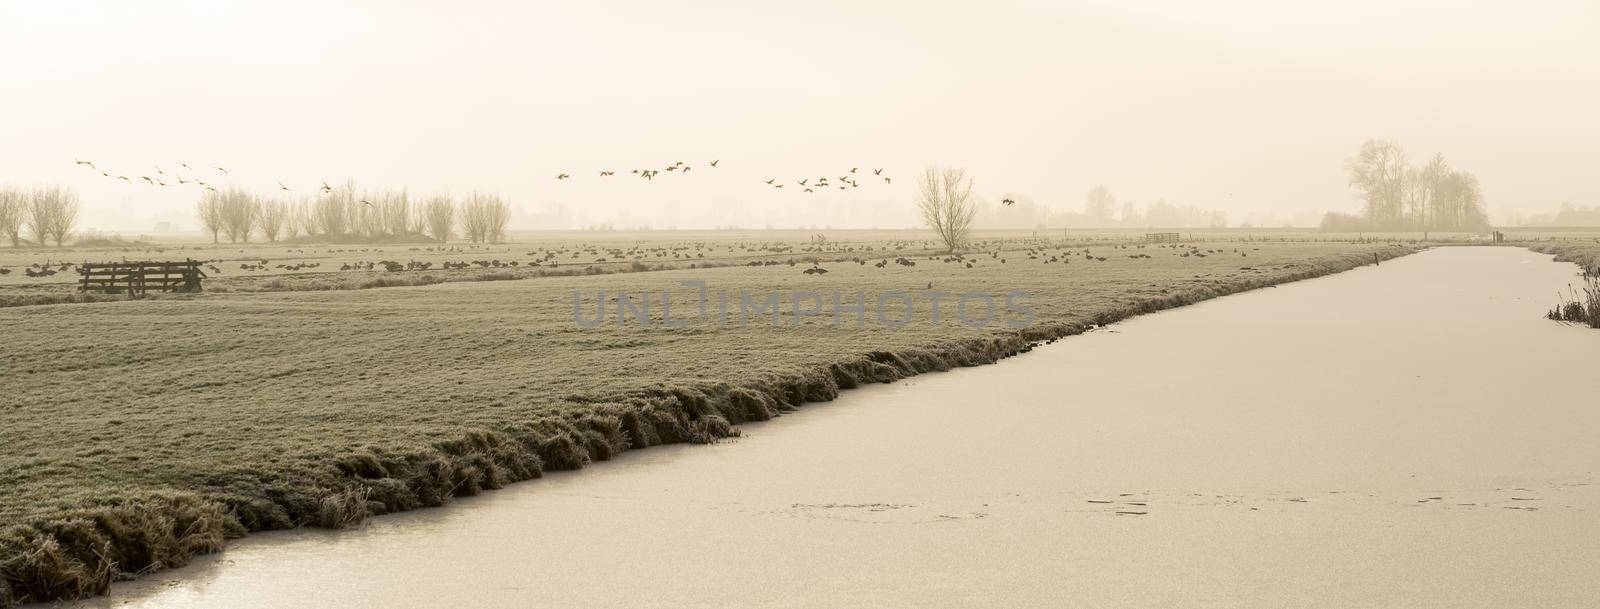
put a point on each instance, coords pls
(240, 211)
(395, 209)
(209, 209)
(272, 218)
(440, 215)
(1378, 171)
(329, 213)
(499, 218)
(52, 211)
(1099, 203)
(305, 213)
(945, 200)
(475, 218)
(13, 210)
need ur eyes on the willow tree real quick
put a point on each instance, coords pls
(945, 200)
(13, 211)
(52, 212)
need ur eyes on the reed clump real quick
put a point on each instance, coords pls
(1584, 305)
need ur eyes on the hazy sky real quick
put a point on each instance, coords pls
(1241, 105)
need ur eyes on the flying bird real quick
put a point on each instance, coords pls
(772, 180)
(285, 188)
(185, 165)
(82, 162)
(877, 172)
(562, 176)
(366, 202)
(105, 174)
(607, 173)
(714, 163)
(1007, 202)
(147, 179)
(326, 187)
(159, 171)
(224, 171)
(808, 190)
(124, 178)
(853, 170)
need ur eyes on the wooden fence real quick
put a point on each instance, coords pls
(1161, 237)
(139, 277)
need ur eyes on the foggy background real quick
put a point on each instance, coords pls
(1244, 107)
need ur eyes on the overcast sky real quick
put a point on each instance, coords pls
(1240, 105)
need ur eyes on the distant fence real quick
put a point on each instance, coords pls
(140, 277)
(1161, 237)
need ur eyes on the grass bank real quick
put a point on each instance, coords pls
(141, 433)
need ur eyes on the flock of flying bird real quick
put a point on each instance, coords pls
(843, 182)
(161, 176)
(847, 181)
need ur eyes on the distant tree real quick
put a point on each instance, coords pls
(52, 212)
(1130, 214)
(13, 212)
(328, 213)
(499, 218)
(439, 215)
(1100, 203)
(1335, 222)
(240, 212)
(395, 209)
(945, 201)
(1378, 172)
(475, 218)
(273, 218)
(209, 210)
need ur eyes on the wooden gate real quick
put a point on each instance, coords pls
(139, 277)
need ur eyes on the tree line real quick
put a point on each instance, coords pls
(47, 213)
(341, 215)
(1398, 196)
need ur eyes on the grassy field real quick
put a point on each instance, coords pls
(32, 276)
(138, 433)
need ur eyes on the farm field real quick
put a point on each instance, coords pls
(44, 275)
(144, 439)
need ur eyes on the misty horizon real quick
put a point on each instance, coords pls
(1245, 108)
